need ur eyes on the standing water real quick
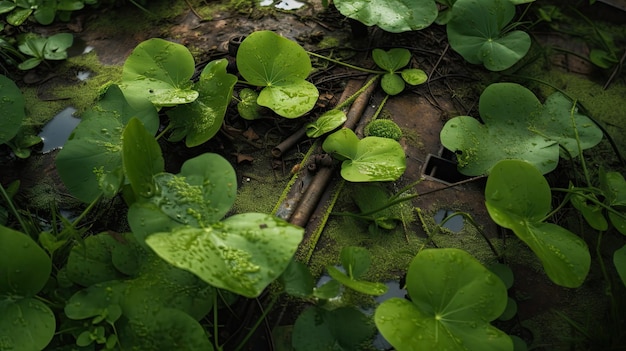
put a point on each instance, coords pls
(58, 130)
(283, 4)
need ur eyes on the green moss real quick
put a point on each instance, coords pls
(384, 128)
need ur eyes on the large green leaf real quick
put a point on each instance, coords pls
(199, 195)
(279, 65)
(370, 159)
(394, 16)
(25, 323)
(243, 253)
(517, 126)
(90, 163)
(475, 32)
(141, 157)
(453, 299)
(160, 71)
(11, 109)
(518, 197)
(200, 120)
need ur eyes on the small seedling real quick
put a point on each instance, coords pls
(51, 48)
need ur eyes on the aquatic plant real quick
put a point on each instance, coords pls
(393, 16)
(391, 62)
(40, 48)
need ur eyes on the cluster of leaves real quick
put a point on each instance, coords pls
(12, 129)
(43, 11)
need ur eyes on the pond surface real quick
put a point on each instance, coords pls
(58, 130)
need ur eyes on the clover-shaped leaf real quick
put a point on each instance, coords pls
(200, 120)
(475, 31)
(160, 71)
(281, 66)
(243, 254)
(369, 159)
(393, 16)
(453, 299)
(392, 61)
(518, 197)
(517, 126)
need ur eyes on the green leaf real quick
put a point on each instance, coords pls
(414, 76)
(392, 60)
(369, 159)
(6, 6)
(619, 260)
(325, 123)
(25, 266)
(160, 71)
(613, 188)
(200, 120)
(11, 109)
(453, 299)
(518, 197)
(19, 16)
(516, 126)
(243, 253)
(248, 108)
(345, 328)
(279, 65)
(475, 32)
(45, 12)
(90, 163)
(394, 16)
(200, 195)
(91, 262)
(297, 280)
(29, 63)
(142, 158)
(362, 286)
(592, 212)
(26, 324)
(57, 45)
(355, 260)
(392, 83)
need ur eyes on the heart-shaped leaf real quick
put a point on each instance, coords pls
(394, 16)
(160, 71)
(90, 163)
(11, 109)
(517, 126)
(475, 32)
(392, 60)
(453, 299)
(200, 120)
(368, 159)
(279, 65)
(243, 253)
(518, 197)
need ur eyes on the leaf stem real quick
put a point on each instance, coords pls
(9, 202)
(266, 311)
(345, 64)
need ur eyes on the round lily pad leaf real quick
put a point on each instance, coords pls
(377, 159)
(453, 299)
(394, 16)
(26, 325)
(160, 71)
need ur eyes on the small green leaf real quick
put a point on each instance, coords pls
(414, 76)
(297, 280)
(392, 60)
(362, 286)
(392, 83)
(325, 123)
(248, 108)
(619, 260)
(355, 260)
(57, 45)
(19, 16)
(591, 212)
(25, 266)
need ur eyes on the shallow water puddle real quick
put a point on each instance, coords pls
(58, 130)
(283, 4)
(455, 223)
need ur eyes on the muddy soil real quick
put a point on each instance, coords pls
(453, 89)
